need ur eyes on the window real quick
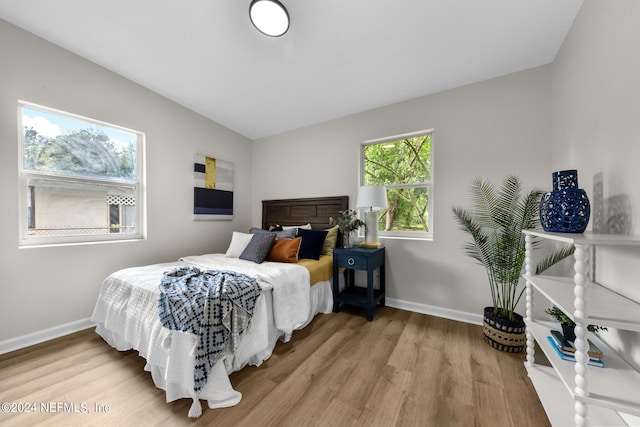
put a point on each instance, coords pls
(402, 163)
(81, 180)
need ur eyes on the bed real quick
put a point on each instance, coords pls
(292, 293)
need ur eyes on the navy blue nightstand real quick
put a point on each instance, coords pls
(352, 259)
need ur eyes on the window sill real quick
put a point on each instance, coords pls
(424, 237)
(51, 244)
(428, 238)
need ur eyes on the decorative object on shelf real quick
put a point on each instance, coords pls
(495, 223)
(373, 198)
(270, 17)
(566, 209)
(566, 355)
(347, 222)
(567, 346)
(568, 325)
(568, 331)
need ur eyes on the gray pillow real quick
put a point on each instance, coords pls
(259, 247)
(282, 234)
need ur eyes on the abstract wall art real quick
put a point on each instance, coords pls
(213, 188)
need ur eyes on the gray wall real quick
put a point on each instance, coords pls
(488, 129)
(45, 288)
(578, 112)
(596, 108)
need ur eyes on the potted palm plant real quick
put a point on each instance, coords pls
(495, 222)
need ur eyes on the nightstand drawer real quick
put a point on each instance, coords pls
(354, 262)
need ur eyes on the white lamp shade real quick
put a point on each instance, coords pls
(372, 197)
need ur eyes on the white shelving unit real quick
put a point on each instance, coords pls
(576, 393)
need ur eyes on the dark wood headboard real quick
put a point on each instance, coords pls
(315, 210)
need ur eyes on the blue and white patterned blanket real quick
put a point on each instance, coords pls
(216, 306)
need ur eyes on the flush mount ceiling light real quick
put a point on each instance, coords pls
(270, 17)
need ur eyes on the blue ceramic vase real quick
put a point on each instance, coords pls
(566, 209)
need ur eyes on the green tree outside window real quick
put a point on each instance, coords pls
(403, 165)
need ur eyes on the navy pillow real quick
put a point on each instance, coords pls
(258, 248)
(312, 241)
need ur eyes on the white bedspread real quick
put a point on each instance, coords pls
(126, 315)
(290, 284)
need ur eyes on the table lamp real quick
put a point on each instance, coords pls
(373, 198)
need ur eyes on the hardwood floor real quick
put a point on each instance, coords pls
(402, 369)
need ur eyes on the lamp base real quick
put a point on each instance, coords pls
(371, 230)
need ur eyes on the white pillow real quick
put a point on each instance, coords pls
(304, 227)
(239, 242)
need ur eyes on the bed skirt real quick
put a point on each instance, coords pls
(169, 354)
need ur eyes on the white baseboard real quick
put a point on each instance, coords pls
(17, 343)
(447, 313)
(23, 341)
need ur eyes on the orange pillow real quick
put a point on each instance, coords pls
(285, 250)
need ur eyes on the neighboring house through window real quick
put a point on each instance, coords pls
(81, 179)
(403, 164)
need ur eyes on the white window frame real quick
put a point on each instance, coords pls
(406, 235)
(27, 176)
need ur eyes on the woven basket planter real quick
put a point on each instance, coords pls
(503, 334)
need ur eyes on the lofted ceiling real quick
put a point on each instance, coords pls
(339, 57)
